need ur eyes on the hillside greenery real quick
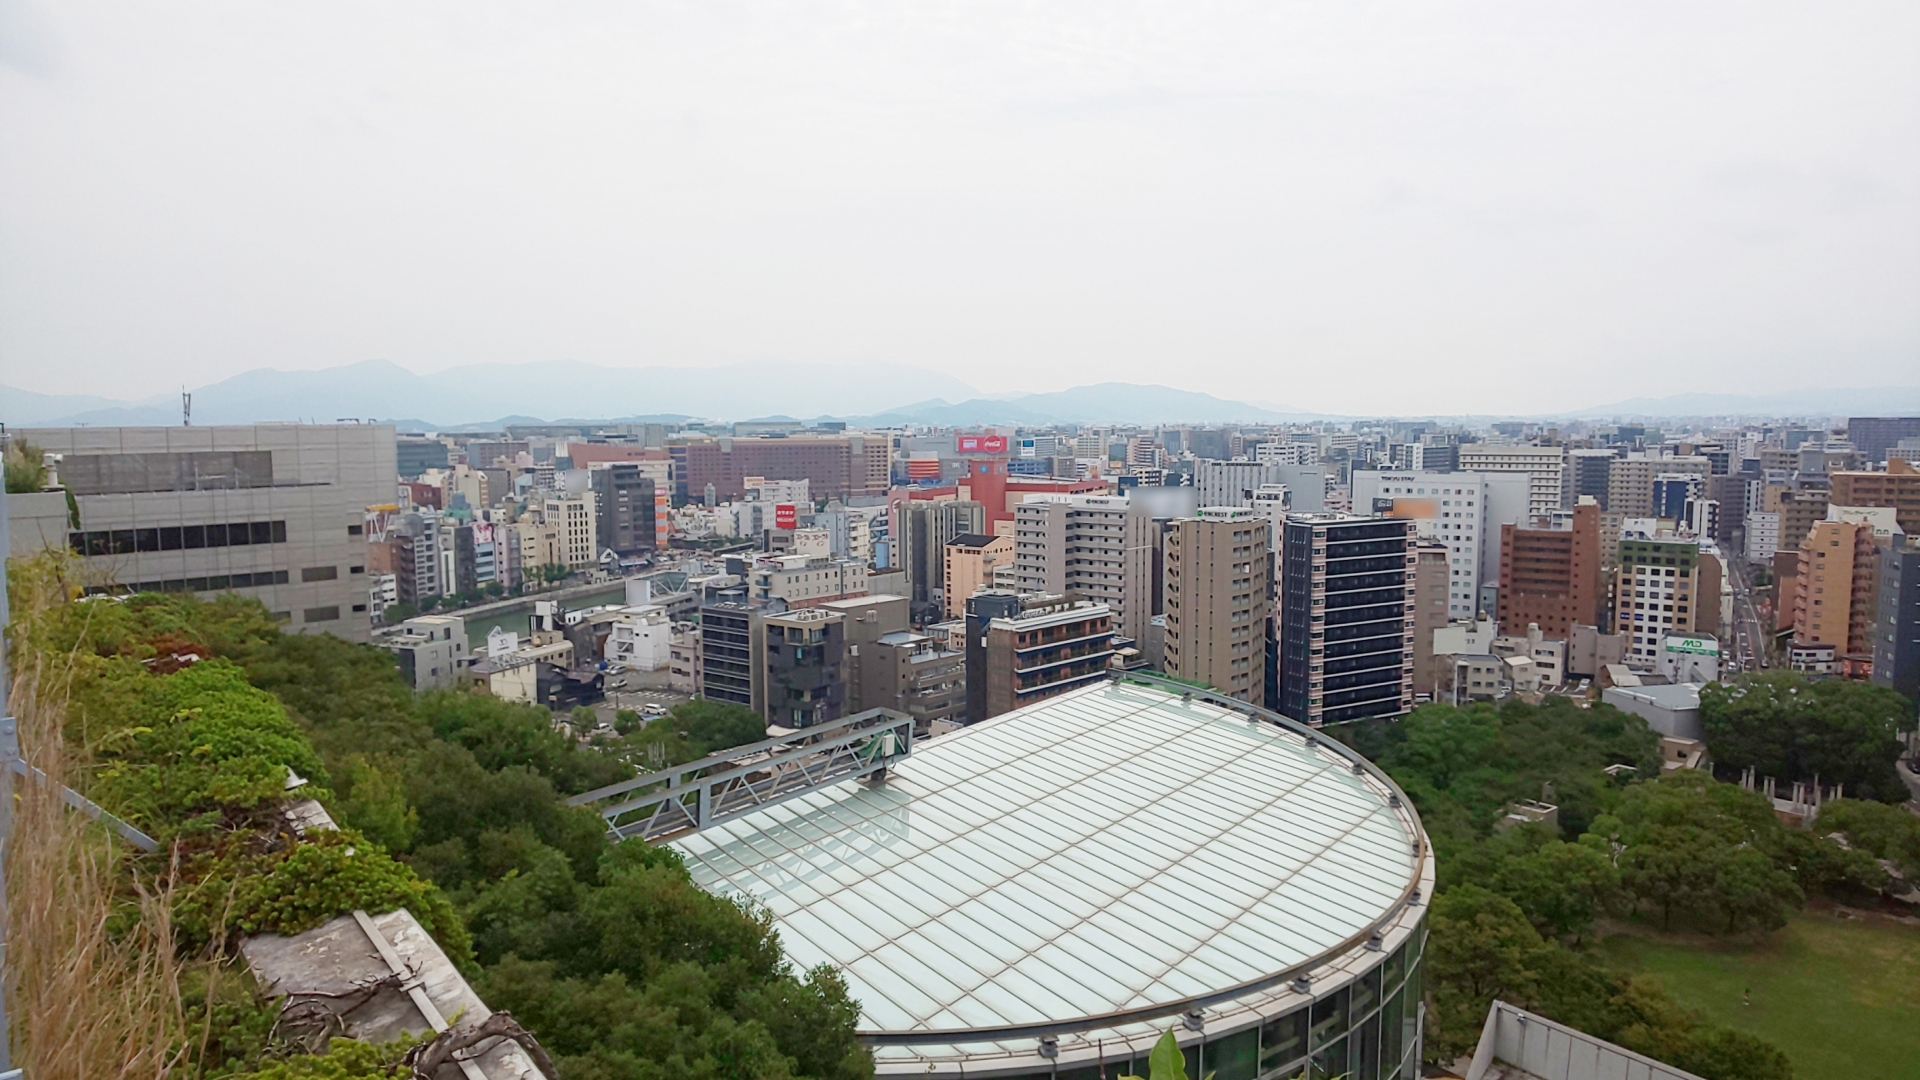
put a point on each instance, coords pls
(189, 716)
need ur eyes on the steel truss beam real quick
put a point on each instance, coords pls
(690, 797)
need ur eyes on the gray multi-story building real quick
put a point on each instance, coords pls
(1873, 436)
(623, 508)
(730, 655)
(1896, 628)
(272, 511)
(925, 528)
(1346, 617)
(1589, 472)
(806, 679)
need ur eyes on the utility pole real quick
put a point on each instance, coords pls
(9, 753)
(186, 408)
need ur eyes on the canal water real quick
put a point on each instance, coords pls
(519, 617)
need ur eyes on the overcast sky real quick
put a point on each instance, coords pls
(1350, 207)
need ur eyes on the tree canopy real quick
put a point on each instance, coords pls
(1784, 725)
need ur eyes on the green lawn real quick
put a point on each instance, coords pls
(1841, 996)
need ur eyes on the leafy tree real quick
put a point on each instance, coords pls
(1562, 887)
(1481, 948)
(1711, 850)
(713, 726)
(1877, 830)
(399, 612)
(26, 469)
(1783, 725)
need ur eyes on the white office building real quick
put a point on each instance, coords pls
(1545, 467)
(1763, 536)
(1462, 510)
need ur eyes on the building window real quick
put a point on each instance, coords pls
(320, 614)
(319, 573)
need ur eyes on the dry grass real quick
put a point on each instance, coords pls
(93, 987)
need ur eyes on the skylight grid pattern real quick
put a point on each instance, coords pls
(1110, 849)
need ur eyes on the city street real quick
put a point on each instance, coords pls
(1750, 636)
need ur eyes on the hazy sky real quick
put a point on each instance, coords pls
(1352, 207)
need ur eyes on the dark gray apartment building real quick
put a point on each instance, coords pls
(1344, 641)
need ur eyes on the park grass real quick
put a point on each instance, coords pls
(1837, 990)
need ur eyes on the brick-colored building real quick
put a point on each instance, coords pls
(1898, 487)
(836, 466)
(1551, 577)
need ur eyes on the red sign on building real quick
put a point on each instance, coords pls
(785, 516)
(983, 444)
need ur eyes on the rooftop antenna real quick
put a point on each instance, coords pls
(186, 408)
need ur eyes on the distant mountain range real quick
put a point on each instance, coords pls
(486, 396)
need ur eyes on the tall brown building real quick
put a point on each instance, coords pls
(1834, 592)
(1216, 606)
(1799, 509)
(1898, 487)
(1430, 582)
(1023, 649)
(1551, 577)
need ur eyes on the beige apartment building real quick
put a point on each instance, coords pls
(1630, 480)
(1218, 571)
(968, 562)
(1799, 511)
(1089, 547)
(1834, 592)
(572, 518)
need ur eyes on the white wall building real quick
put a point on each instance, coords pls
(1763, 536)
(1462, 510)
(640, 638)
(1544, 465)
(1093, 546)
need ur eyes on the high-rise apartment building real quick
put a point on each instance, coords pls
(1630, 480)
(1896, 625)
(1664, 585)
(1799, 510)
(1346, 618)
(1023, 649)
(1544, 466)
(1551, 577)
(1898, 487)
(1762, 536)
(1834, 600)
(1672, 492)
(730, 652)
(1088, 547)
(925, 527)
(1216, 602)
(276, 512)
(1430, 577)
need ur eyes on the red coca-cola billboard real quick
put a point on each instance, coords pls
(983, 444)
(785, 516)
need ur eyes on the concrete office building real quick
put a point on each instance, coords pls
(1898, 487)
(1551, 577)
(1664, 586)
(1543, 465)
(970, 560)
(925, 526)
(1896, 627)
(1589, 473)
(1873, 436)
(1762, 536)
(1024, 649)
(572, 518)
(1233, 483)
(1216, 603)
(1346, 618)
(1834, 600)
(276, 512)
(1799, 510)
(805, 683)
(623, 508)
(1730, 491)
(890, 667)
(1673, 491)
(730, 651)
(1089, 547)
(1147, 861)
(432, 651)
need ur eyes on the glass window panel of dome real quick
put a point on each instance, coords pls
(1232, 1057)
(960, 956)
(805, 931)
(1395, 968)
(848, 917)
(990, 862)
(1411, 992)
(1171, 926)
(991, 933)
(1235, 963)
(1018, 997)
(1083, 987)
(904, 960)
(895, 894)
(1188, 977)
(889, 991)
(1071, 906)
(1120, 954)
(1391, 1034)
